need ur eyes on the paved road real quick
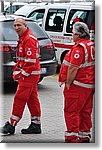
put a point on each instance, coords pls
(53, 126)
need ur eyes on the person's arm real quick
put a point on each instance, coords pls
(76, 59)
(71, 74)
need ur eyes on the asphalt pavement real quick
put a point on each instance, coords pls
(53, 125)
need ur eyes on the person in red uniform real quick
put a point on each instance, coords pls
(27, 72)
(78, 75)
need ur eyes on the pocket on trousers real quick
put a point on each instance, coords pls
(71, 101)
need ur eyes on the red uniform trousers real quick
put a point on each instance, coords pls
(27, 93)
(77, 111)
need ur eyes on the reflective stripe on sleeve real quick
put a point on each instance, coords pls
(25, 73)
(16, 72)
(33, 72)
(30, 60)
(66, 63)
(27, 59)
(82, 65)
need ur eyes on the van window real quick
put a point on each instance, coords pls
(55, 20)
(37, 16)
(74, 16)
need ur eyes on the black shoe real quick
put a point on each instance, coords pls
(7, 129)
(32, 129)
(84, 140)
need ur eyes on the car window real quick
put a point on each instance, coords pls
(9, 34)
(39, 33)
(55, 20)
(77, 15)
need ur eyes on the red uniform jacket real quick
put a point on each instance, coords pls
(82, 55)
(28, 65)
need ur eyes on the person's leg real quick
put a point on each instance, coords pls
(85, 123)
(34, 105)
(77, 121)
(20, 99)
(71, 114)
(35, 111)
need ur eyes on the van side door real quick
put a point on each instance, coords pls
(54, 25)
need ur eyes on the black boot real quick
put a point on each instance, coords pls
(7, 129)
(84, 140)
(32, 129)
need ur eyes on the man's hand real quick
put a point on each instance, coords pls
(16, 75)
(68, 86)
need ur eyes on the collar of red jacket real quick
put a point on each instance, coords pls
(24, 34)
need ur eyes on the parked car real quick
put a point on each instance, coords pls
(31, 11)
(8, 45)
(13, 7)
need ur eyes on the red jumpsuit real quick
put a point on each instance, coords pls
(27, 71)
(79, 97)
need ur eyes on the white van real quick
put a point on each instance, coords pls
(57, 20)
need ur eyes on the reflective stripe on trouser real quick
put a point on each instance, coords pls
(71, 137)
(85, 134)
(78, 108)
(71, 134)
(35, 119)
(14, 120)
(27, 95)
